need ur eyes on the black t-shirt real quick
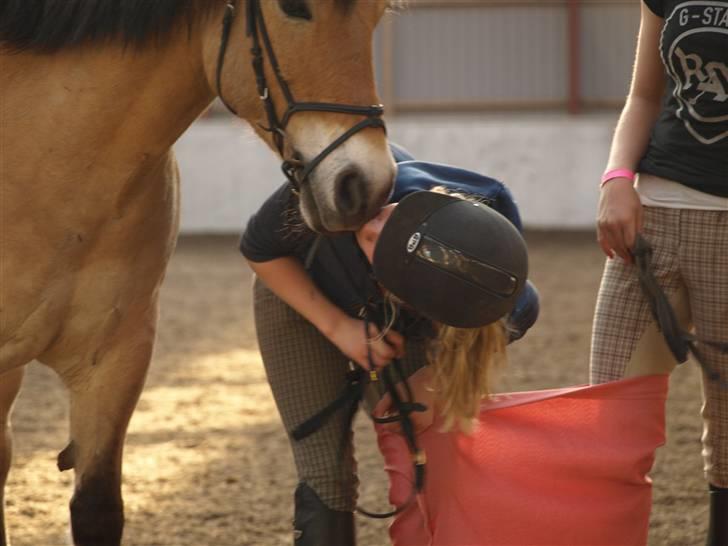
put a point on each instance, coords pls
(689, 142)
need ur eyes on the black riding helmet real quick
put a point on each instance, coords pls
(457, 262)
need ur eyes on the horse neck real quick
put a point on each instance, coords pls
(127, 102)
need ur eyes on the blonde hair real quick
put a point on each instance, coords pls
(463, 361)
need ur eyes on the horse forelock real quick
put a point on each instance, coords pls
(51, 25)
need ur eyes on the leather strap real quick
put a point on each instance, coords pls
(294, 168)
(227, 21)
(352, 394)
(680, 342)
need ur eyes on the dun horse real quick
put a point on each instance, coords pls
(93, 94)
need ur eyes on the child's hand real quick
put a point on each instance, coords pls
(348, 336)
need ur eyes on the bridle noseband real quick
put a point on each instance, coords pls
(295, 169)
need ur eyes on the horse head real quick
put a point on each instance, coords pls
(301, 73)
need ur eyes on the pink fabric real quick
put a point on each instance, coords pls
(555, 467)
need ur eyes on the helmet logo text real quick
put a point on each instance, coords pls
(413, 242)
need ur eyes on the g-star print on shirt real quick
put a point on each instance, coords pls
(693, 38)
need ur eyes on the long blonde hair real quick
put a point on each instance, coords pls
(463, 361)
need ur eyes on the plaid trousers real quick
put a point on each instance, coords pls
(306, 372)
(690, 261)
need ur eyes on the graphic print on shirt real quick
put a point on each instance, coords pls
(694, 48)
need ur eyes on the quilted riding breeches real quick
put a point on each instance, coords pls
(306, 372)
(690, 261)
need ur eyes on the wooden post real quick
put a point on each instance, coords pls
(574, 57)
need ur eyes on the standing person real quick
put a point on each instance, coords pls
(673, 132)
(311, 294)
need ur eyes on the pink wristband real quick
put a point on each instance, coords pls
(617, 173)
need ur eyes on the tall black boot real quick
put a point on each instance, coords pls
(315, 524)
(718, 528)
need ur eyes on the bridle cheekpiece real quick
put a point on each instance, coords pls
(294, 167)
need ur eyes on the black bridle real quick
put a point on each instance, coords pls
(294, 167)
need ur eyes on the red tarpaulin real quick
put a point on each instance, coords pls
(555, 467)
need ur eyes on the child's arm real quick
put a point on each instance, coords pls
(287, 278)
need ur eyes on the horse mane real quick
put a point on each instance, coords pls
(50, 25)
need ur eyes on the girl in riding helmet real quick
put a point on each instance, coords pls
(448, 289)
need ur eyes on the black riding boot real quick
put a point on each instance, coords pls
(315, 524)
(718, 529)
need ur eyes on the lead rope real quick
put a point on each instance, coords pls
(352, 395)
(357, 380)
(404, 409)
(678, 340)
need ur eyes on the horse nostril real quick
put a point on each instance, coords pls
(351, 193)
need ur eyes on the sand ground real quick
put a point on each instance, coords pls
(207, 462)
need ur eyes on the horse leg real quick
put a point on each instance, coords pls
(101, 403)
(9, 387)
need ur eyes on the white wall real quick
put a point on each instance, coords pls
(226, 172)
(552, 163)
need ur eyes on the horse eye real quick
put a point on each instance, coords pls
(296, 8)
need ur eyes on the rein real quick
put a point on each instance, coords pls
(404, 407)
(350, 398)
(678, 340)
(294, 167)
(352, 395)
